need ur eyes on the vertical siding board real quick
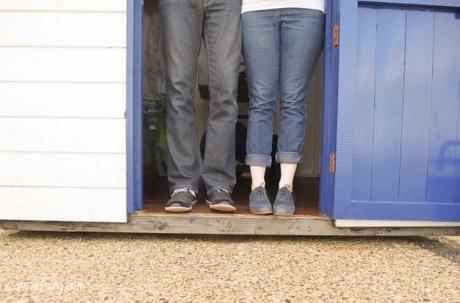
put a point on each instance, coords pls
(388, 104)
(444, 111)
(457, 154)
(327, 184)
(130, 159)
(456, 48)
(417, 100)
(343, 109)
(363, 107)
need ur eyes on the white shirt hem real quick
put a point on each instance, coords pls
(248, 7)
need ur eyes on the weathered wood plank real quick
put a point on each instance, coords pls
(63, 135)
(64, 5)
(85, 100)
(63, 29)
(38, 169)
(64, 204)
(32, 64)
(226, 225)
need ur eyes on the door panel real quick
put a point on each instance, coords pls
(388, 99)
(398, 111)
(444, 156)
(363, 110)
(418, 77)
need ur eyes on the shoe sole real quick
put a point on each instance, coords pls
(179, 209)
(222, 207)
(268, 212)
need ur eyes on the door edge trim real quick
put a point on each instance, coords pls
(392, 223)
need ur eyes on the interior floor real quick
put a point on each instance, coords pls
(156, 193)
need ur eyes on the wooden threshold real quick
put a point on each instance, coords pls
(306, 222)
(224, 224)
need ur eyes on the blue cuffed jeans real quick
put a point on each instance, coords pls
(281, 47)
(185, 24)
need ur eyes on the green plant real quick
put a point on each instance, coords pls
(155, 144)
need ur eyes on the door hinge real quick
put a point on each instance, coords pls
(332, 163)
(336, 36)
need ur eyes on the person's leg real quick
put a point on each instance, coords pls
(222, 37)
(257, 176)
(302, 33)
(287, 174)
(261, 42)
(181, 23)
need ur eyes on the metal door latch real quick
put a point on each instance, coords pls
(336, 36)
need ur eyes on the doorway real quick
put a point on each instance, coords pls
(155, 186)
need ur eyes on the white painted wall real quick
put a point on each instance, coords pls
(62, 105)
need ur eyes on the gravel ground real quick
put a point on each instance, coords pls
(59, 267)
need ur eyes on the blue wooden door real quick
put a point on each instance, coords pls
(394, 91)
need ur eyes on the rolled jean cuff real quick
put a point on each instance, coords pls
(258, 160)
(288, 157)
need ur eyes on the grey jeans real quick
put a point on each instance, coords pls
(185, 25)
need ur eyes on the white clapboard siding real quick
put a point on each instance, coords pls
(63, 170)
(87, 204)
(55, 28)
(34, 64)
(95, 100)
(62, 110)
(65, 5)
(62, 135)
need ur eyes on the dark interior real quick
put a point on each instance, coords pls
(156, 193)
(156, 190)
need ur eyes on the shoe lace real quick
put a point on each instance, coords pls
(260, 191)
(285, 191)
(180, 190)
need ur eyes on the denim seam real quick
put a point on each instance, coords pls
(267, 157)
(210, 88)
(295, 156)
